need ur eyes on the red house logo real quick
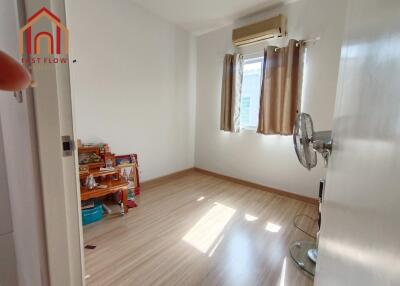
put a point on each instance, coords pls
(35, 41)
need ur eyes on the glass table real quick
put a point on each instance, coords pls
(299, 253)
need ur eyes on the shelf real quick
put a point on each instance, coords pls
(99, 173)
(112, 187)
(93, 165)
(89, 149)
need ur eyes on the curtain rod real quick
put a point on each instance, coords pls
(303, 42)
(313, 40)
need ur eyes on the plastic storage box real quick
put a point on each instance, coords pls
(93, 214)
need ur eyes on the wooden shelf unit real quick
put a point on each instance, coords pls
(109, 178)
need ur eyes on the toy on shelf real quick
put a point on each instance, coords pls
(102, 173)
(129, 169)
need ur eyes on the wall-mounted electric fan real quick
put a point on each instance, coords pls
(307, 143)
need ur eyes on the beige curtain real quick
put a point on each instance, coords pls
(231, 91)
(281, 88)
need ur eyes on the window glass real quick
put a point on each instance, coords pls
(251, 87)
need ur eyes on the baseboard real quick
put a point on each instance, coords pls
(260, 187)
(163, 179)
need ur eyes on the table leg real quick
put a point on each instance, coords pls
(125, 200)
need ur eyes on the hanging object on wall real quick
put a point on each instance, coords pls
(270, 28)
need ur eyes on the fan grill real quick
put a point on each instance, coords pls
(302, 139)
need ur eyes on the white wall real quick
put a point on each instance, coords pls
(270, 160)
(133, 85)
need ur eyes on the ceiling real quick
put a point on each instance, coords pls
(201, 16)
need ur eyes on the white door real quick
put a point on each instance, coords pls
(360, 235)
(61, 198)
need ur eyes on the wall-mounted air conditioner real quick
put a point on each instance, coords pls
(273, 27)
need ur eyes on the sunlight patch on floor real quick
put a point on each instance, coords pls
(283, 273)
(271, 227)
(216, 245)
(250, 217)
(205, 232)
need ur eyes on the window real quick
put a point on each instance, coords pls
(251, 88)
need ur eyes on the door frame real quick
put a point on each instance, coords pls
(52, 108)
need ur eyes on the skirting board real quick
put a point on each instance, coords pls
(313, 201)
(161, 180)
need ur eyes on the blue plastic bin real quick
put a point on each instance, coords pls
(93, 214)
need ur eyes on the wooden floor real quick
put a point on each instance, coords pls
(199, 230)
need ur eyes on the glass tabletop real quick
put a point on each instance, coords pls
(299, 253)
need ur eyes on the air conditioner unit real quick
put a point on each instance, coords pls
(273, 27)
